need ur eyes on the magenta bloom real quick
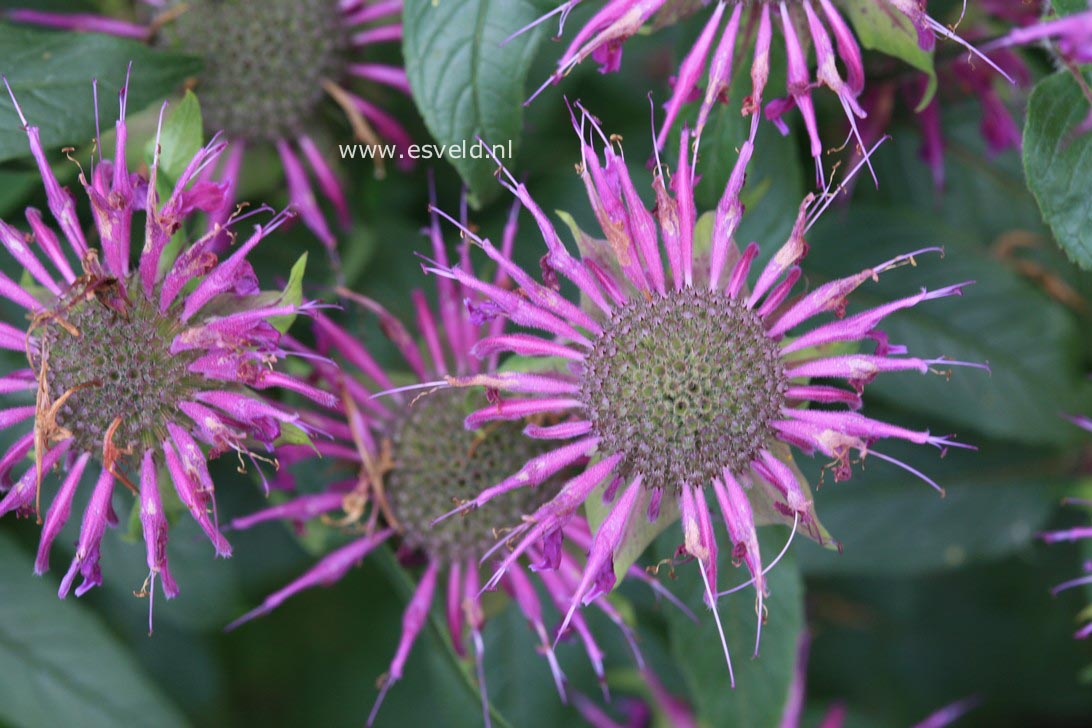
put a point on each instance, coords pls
(409, 458)
(268, 65)
(747, 27)
(685, 385)
(135, 367)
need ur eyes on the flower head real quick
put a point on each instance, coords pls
(133, 368)
(410, 458)
(742, 27)
(267, 68)
(684, 384)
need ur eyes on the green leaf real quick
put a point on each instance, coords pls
(61, 665)
(50, 74)
(763, 683)
(882, 28)
(1028, 340)
(1056, 163)
(775, 177)
(703, 239)
(181, 138)
(1068, 7)
(877, 636)
(292, 295)
(675, 11)
(210, 594)
(985, 195)
(596, 249)
(14, 187)
(293, 435)
(890, 522)
(465, 82)
(518, 678)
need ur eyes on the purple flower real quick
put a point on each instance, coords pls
(741, 29)
(110, 379)
(684, 383)
(267, 67)
(407, 458)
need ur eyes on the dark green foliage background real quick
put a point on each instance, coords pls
(933, 599)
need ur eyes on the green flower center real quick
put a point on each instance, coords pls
(684, 386)
(113, 357)
(264, 61)
(438, 463)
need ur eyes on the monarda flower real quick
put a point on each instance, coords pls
(132, 369)
(681, 382)
(741, 27)
(267, 68)
(411, 458)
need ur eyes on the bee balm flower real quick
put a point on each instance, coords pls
(682, 382)
(141, 371)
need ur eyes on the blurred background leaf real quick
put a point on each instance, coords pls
(50, 74)
(1027, 339)
(466, 83)
(1056, 159)
(890, 522)
(61, 664)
